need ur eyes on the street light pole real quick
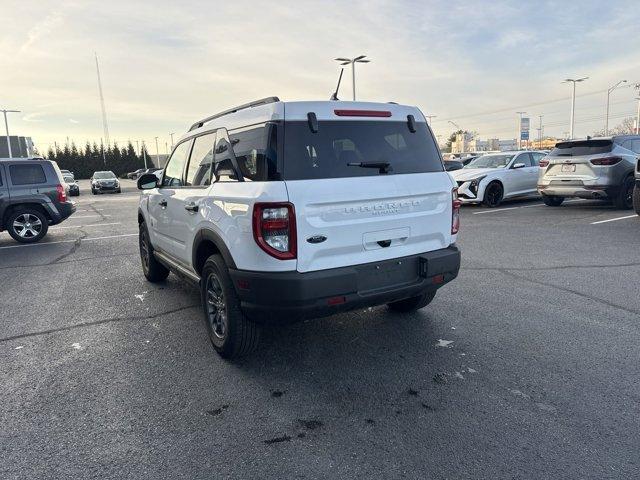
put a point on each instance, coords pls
(540, 133)
(172, 134)
(144, 155)
(518, 139)
(157, 153)
(429, 117)
(6, 126)
(573, 101)
(609, 90)
(352, 62)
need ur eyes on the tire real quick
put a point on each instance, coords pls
(231, 333)
(153, 270)
(93, 191)
(27, 225)
(119, 191)
(636, 199)
(412, 304)
(493, 195)
(552, 201)
(624, 199)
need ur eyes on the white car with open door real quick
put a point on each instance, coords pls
(494, 177)
(284, 211)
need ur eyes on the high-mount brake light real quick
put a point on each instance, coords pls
(362, 113)
(274, 229)
(606, 161)
(455, 211)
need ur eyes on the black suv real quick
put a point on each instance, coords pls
(33, 196)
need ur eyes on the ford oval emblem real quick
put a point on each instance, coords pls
(316, 239)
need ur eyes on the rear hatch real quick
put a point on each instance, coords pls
(365, 190)
(571, 161)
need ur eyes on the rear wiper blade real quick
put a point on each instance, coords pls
(383, 167)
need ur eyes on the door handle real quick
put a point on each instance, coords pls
(191, 207)
(163, 203)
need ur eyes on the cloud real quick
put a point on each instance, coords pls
(41, 29)
(71, 120)
(33, 117)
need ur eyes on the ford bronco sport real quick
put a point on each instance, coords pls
(281, 211)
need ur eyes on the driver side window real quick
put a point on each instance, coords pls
(175, 165)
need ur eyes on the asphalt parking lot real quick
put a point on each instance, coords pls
(525, 367)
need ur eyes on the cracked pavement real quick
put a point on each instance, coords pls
(525, 367)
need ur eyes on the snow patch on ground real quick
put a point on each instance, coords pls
(19, 347)
(76, 346)
(444, 343)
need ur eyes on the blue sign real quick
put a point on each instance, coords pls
(524, 128)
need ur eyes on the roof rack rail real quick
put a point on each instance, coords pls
(262, 101)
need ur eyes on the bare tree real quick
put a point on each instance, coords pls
(623, 128)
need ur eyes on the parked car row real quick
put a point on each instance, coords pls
(595, 168)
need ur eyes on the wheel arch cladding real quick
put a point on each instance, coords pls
(34, 206)
(207, 243)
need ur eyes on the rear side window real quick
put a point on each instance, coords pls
(581, 147)
(27, 174)
(175, 166)
(536, 158)
(328, 153)
(199, 172)
(255, 151)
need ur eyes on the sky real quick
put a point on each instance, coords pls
(165, 64)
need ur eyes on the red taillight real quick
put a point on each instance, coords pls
(543, 163)
(362, 113)
(62, 193)
(455, 211)
(274, 229)
(606, 161)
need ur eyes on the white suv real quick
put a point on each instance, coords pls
(281, 211)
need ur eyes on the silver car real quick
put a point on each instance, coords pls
(595, 168)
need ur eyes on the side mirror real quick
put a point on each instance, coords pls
(518, 165)
(147, 181)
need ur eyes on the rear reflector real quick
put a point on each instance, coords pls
(336, 300)
(362, 113)
(606, 161)
(438, 279)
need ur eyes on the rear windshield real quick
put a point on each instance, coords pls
(328, 153)
(581, 147)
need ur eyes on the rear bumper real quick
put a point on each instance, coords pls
(290, 296)
(579, 191)
(58, 212)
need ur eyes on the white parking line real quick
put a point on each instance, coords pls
(495, 211)
(84, 226)
(613, 219)
(69, 241)
(73, 217)
(525, 206)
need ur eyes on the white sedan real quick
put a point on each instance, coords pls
(494, 177)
